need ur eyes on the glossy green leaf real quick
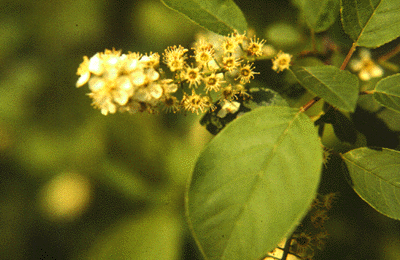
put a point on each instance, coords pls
(253, 183)
(337, 87)
(387, 92)
(320, 14)
(371, 23)
(154, 235)
(375, 176)
(222, 17)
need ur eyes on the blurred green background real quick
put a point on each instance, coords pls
(78, 185)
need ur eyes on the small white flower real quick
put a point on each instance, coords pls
(96, 84)
(96, 65)
(153, 75)
(155, 90)
(168, 86)
(138, 78)
(281, 61)
(365, 66)
(83, 79)
(230, 107)
(83, 72)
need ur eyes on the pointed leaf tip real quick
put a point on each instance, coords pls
(222, 17)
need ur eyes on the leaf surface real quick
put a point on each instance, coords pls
(375, 177)
(371, 23)
(320, 14)
(150, 235)
(125, 181)
(219, 16)
(387, 92)
(337, 87)
(253, 183)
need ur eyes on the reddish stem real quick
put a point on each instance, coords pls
(309, 104)
(390, 54)
(347, 59)
(313, 41)
(367, 92)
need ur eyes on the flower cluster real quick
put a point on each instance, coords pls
(215, 69)
(127, 82)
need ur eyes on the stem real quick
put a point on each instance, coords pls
(347, 59)
(367, 92)
(252, 59)
(313, 42)
(309, 104)
(390, 54)
(211, 100)
(286, 248)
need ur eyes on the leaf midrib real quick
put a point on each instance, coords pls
(370, 171)
(381, 179)
(369, 19)
(327, 87)
(259, 174)
(201, 7)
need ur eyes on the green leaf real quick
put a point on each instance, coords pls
(338, 87)
(222, 17)
(375, 177)
(283, 35)
(125, 181)
(387, 92)
(320, 14)
(253, 183)
(343, 127)
(371, 23)
(154, 235)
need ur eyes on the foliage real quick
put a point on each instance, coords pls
(292, 119)
(235, 196)
(255, 168)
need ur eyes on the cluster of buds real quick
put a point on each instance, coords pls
(135, 82)
(310, 235)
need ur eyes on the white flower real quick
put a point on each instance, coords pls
(83, 72)
(96, 65)
(230, 107)
(365, 66)
(281, 61)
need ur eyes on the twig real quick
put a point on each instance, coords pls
(309, 104)
(347, 59)
(286, 248)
